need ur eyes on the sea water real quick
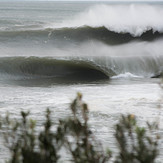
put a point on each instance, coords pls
(110, 52)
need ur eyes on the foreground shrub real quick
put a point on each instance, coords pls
(25, 145)
(135, 144)
(78, 138)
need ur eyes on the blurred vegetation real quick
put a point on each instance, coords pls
(135, 144)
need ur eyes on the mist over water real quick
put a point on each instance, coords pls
(110, 52)
(133, 18)
(101, 34)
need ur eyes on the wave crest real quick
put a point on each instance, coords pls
(79, 34)
(129, 18)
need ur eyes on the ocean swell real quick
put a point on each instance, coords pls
(75, 35)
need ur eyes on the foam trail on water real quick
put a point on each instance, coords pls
(126, 75)
(131, 18)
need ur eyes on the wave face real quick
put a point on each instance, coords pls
(78, 70)
(37, 68)
(76, 35)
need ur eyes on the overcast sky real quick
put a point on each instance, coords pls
(83, 0)
(89, 0)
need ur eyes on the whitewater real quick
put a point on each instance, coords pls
(112, 52)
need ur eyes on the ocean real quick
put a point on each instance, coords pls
(111, 52)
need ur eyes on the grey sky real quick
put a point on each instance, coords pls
(84, 0)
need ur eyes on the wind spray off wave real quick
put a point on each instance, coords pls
(134, 19)
(110, 39)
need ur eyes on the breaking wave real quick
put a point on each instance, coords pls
(34, 67)
(78, 34)
(135, 19)
(112, 24)
(85, 45)
(79, 69)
